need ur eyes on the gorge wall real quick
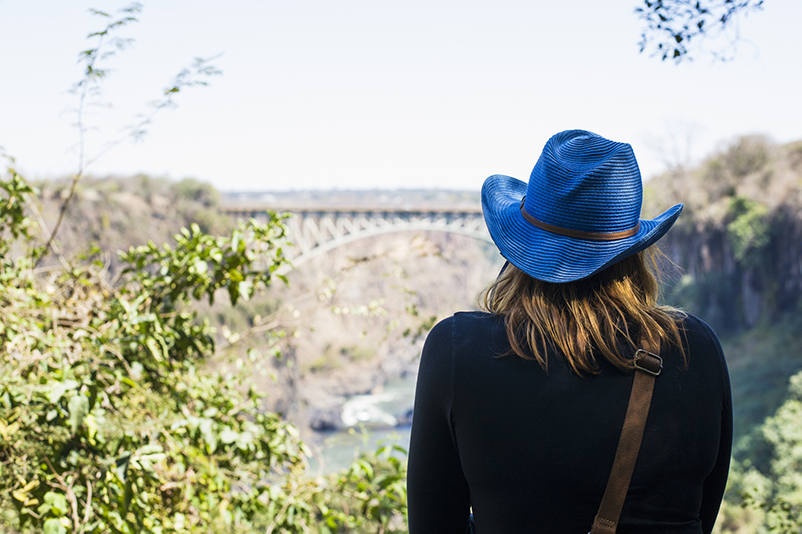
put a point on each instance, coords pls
(737, 247)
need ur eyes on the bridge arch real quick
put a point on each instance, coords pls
(317, 230)
(328, 246)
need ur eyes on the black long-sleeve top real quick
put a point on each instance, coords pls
(531, 451)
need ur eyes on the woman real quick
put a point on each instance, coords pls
(519, 409)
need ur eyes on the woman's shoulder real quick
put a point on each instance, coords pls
(702, 343)
(475, 317)
(465, 327)
(691, 322)
(698, 332)
(451, 336)
(467, 323)
(466, 319)
(467, 333)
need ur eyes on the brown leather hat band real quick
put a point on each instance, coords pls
(578, 234)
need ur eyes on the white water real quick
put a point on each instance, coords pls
(371, 421)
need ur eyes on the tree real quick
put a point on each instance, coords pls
(106, 43)
(783, 432)
(110, 419)
(676, 29)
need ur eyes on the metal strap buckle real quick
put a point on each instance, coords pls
(648, 362)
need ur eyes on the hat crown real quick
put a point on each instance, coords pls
(585, 182)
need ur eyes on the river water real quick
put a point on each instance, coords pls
(373, 420)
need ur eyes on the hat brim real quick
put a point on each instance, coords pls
(552, 257)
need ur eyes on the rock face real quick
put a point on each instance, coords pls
(326, 417)
(737, 247)
(731, 285)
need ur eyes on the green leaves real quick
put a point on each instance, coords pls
(56, 389)
(79, 408)
(199, 265)
(370, 494)
(748, 230)
(765, 494)
(105, 412)
(783, 433)
(15, 225)
(674, 27)
(112, 421)
(55, 526)
(54, 504)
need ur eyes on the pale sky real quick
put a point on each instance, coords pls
(379, 94)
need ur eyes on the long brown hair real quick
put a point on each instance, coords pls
(587, 318)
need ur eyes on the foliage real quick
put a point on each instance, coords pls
(674, 28)
(748, 154)
(769, 497)
(106, 43)
(748, 230)
(13, 222)
(197, 191)
(737, 519)
(111, 422)
(368, 496)
(110, 417)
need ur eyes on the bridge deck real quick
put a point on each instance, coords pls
(256, 207)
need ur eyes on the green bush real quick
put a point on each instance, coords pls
(110, 421)
(782, 497)
(765, 494)
(748, 230)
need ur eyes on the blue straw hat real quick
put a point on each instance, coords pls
(580, 212)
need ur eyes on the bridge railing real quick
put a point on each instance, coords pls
(317, 229)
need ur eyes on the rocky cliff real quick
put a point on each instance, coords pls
(737, 248)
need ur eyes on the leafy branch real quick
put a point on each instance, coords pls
(674, 27)
(197, 74)
(106, 45)
(110, 420)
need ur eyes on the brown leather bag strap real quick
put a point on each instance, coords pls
(647, 366)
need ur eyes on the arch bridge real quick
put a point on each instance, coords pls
(317, 229)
